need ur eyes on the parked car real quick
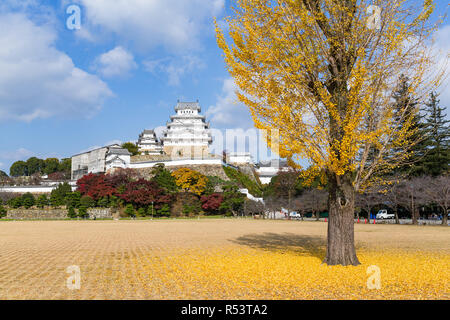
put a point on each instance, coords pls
(383, 214)
(295, 215)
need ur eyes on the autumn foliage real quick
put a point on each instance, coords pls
(190, 180)
(212, 202)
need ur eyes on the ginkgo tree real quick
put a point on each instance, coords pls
(322, 73)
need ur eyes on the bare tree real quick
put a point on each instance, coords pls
(391, 193)
(315, 200)
(437, 190)
(252, 207)
(368, 200)
(272, 205)
(285, 184)
(411, 196)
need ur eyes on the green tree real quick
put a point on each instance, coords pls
(35, 165)
(141, 212)
(131, 147)
(58, 195)
(73, 199)
(129, 210)
(437, 159)
(103, 202)
(164, 178)
(71, 213)
(28, 200)
(3, 174)
(115, 202)
(212, 183)
(233, 200)
(87, 202)
(82, 212)
(51, 165)
(42, 201)
(18, 169)
(15, 202)
(3, 211)
(164, 211)
(405, 103)
(65, 165)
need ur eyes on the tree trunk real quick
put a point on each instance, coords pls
(415, 221)
(341, 204)
(445, 217)
(397, 220)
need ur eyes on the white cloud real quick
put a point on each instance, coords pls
(174, 68)
(443, 54)
(116, 62)
(228, 110)
(173, 24)
(19, 154)
(39, 81)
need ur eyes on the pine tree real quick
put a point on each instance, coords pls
(407, 111)
(438, 156)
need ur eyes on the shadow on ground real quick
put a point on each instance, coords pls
(286, 242)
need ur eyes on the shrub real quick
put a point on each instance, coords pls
(3, 211)
(15, 202)
(58, 195)
(103, 202)
(194, 209)
(129, 210)
(164, 211)
(73, 199)
(141, 212)
(28, 200)
(42, 201)
(82, 212)
(72, 213)
(87, 201)
(212, 202)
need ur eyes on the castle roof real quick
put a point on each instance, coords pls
(188, 106)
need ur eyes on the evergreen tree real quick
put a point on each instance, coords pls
(82, 212)
(164, 178)
(28, 200)
(407, 113)
(3, 211)
(437, 159)
(58, 195)
(72, 199)
(18, 169)
(42, 201)
(71, 213)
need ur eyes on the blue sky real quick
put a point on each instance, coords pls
(64, 91)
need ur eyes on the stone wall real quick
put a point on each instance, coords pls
(100, 213)
(51, 213)
(207, 170)
(46, 213)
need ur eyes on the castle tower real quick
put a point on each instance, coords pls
(148, 143)
(187, 134)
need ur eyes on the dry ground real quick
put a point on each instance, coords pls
(217, 259)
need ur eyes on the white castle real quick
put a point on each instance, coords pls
(187, 134)
(148, 143)
(185, 142)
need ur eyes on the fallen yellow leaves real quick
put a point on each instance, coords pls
(243, 273)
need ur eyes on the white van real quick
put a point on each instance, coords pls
(383, 214)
